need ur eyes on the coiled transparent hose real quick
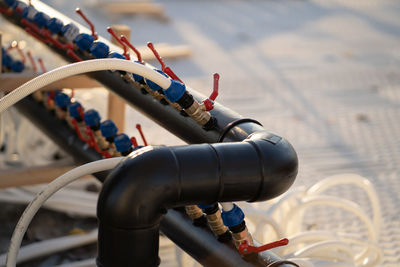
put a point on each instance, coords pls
(284, 216)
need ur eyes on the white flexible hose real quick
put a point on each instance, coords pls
(287, 210)
(79, 68)
(335, 202)
(54, 186)
(263, 221)
(329, 249)
(318, 248)
(357, 180)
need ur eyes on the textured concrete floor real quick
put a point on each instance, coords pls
(324, 75)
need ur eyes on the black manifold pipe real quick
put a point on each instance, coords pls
(151, 180)
(60, 132)
(230, 127)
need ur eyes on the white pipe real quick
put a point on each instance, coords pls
(54, 186)
(79, 68)
(227, 206)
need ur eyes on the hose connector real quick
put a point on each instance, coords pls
(196, 215)
(84, 41)
(41, 19)
(175, 91)
(99, 50)
(92, 119)
(55, 25)
(69, 32)
(62, 101)
(234, 219)
(213, 214)
(123, 144)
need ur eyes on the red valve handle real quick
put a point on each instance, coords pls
(42, 66)
(245, 248)
(6, 10)
(164, 68)
(92, 143)
(139, 127)
(209, 102)
(33, 63)
(126, 54)
(134, 142)
(126, 41)
(158, 57)
(94, 34)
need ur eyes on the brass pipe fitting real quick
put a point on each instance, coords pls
(193, 212)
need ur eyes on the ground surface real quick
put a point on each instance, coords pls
(326, 76)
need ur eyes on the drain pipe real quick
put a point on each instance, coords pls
(153, 179)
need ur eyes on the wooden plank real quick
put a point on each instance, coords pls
(165, 51)
(31, 175)
(10, 81)
(136, 8)
(116, 105)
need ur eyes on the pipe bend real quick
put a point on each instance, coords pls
(150, 180)
(279, 161)
(134, 194)
(153, 179)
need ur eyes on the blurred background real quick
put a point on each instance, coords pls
(323, 74)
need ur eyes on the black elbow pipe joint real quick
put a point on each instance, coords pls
(153, 179)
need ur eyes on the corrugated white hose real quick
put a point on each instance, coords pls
(79, 68)
(54, 186)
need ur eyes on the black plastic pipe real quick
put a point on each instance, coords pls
(201, 244)
(165, 115)
(59, 132)
(141, 189)
(230, 126)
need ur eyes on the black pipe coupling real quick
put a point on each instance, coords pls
(153, 179)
